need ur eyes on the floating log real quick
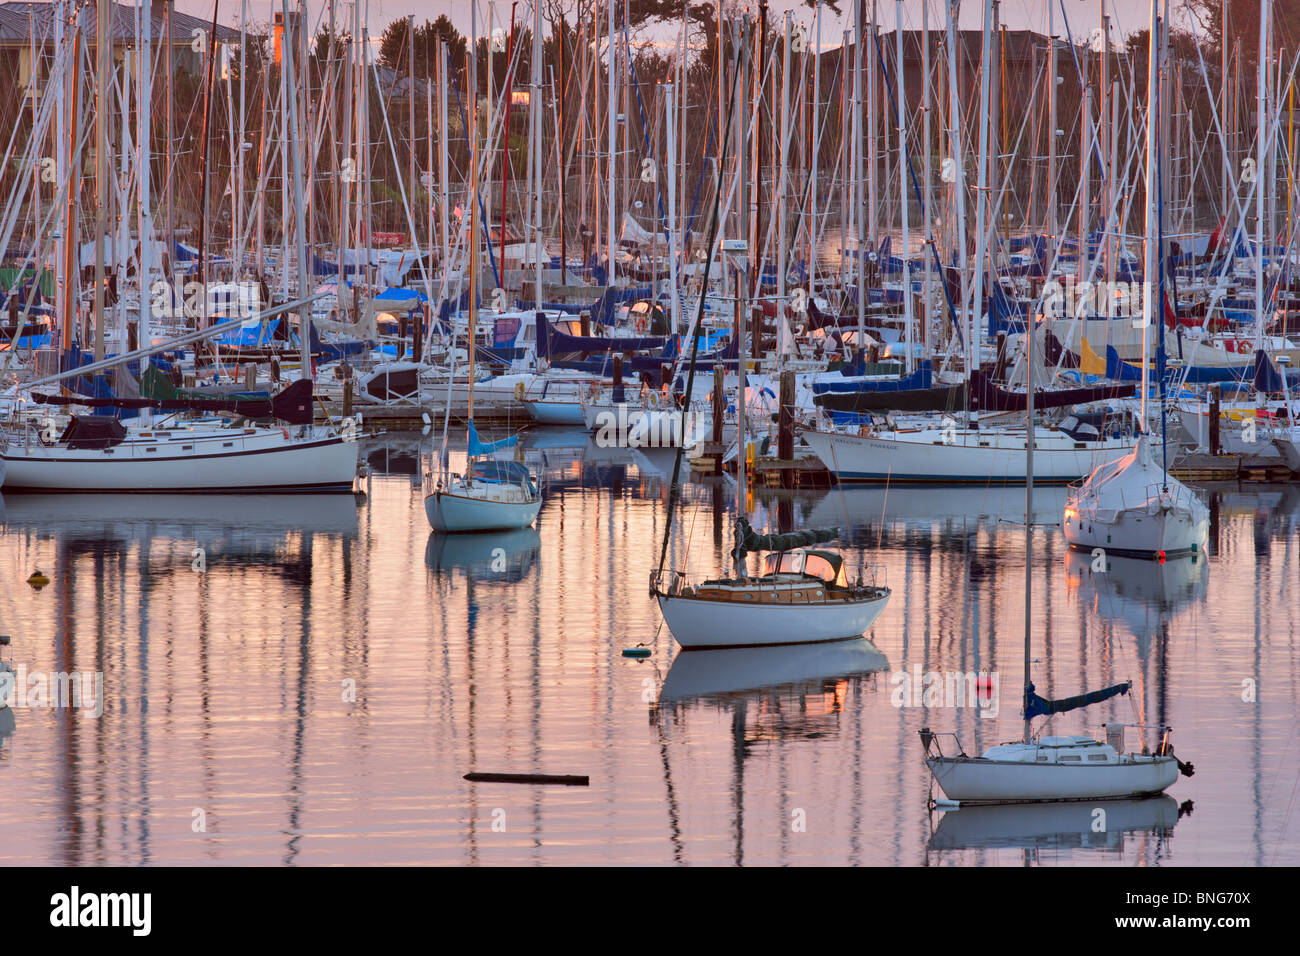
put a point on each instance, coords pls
(567, 780)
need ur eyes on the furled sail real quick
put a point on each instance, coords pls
(747, 539)
(292, 405)
(1036, 706)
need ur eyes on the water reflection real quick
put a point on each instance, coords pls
(504, 557)
(747, 672)
(460, 663)
(1062, 826)
(1142, 595)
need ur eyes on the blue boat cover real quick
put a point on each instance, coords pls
(1036, 706)
(478, 447)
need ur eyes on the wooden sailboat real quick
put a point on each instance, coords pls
(804, 594)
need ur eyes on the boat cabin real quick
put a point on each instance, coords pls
(824, 565)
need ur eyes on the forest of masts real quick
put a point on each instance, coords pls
(383, 124)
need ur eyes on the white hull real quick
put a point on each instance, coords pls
(1139, 533)
(209, 461)
(970, 780)
(1133, 507)
(696, 622)
(453, 513)
(971, 457)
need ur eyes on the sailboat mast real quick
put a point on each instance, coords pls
(473, 223)
(103, 54)
(1029, 486)
(296, 147)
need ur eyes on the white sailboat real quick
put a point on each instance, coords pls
(1039, 768)
(803, 596)
(1133, 507)
(491, 495)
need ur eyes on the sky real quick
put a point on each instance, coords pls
(1083, 15)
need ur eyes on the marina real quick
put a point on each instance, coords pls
(468, 659)
(611, 432)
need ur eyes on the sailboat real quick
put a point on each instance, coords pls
(491, 495)
(1041, 768)
(1133, 506)
(803, 595)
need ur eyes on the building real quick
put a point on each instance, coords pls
(29, 27)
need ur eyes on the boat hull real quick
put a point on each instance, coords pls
(699, 622)
(853, 458)
(556, 413)
(453, 514)
(206, 466)
(1138, 534)
(970, 780)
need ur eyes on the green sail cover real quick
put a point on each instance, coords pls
(747, 539)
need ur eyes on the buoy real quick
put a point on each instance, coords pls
(520, 389)
(38, 579)
(636, 652)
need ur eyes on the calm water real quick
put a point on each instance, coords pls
(229, 733)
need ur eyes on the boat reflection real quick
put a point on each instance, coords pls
(788, 692)
(1056, 826)
(504, 557)
(862, 505)
(1142, 595)
(272, 534)
(394, 453)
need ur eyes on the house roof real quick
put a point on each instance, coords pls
(17, 20)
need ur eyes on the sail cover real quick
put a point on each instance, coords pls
(292, 405)
(479, 447)
(747, 539)
(551, 341)
(1036, 706)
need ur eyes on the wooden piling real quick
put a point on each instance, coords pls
(785, 427)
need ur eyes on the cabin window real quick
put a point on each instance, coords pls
(820, 567)
(1096, 756)
(787, 562)
(1070, 757)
